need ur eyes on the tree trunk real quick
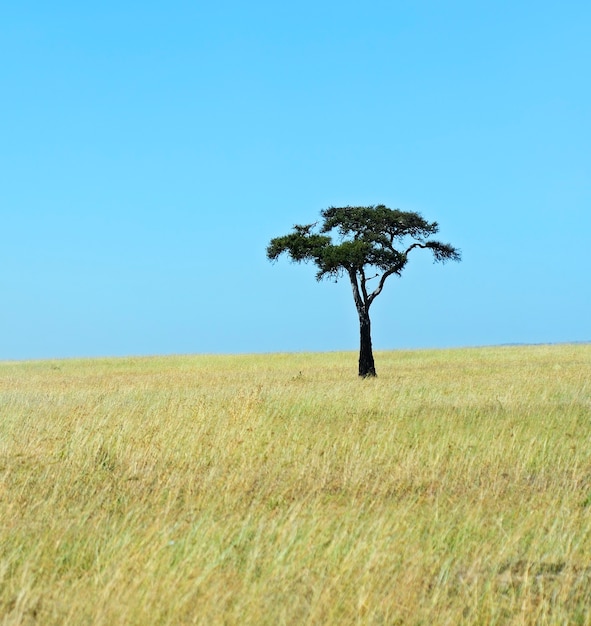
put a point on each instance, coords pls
(366, 363)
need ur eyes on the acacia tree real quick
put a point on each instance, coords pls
(364, 243)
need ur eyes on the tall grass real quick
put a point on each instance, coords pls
(455, 488)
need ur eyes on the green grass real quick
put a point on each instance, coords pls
(280, 489)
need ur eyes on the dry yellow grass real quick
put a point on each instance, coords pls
(455, 488)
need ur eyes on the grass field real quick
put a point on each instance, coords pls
(455, 488)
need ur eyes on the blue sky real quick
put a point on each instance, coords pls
(151, 150)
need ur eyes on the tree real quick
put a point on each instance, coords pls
(372, 240)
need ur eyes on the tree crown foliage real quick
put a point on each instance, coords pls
(351, 239)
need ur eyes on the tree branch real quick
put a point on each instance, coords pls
(355, 286)
(380, 286)
(415, 245)
(363, 286)
(442, 252)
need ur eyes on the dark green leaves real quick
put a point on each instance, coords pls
(372, 236)
(376, 222)
(301, 245)
(443, 251)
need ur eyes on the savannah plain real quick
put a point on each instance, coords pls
(281, 489)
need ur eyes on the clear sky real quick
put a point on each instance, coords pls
(150, 150)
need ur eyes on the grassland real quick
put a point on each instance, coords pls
(455, 488)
